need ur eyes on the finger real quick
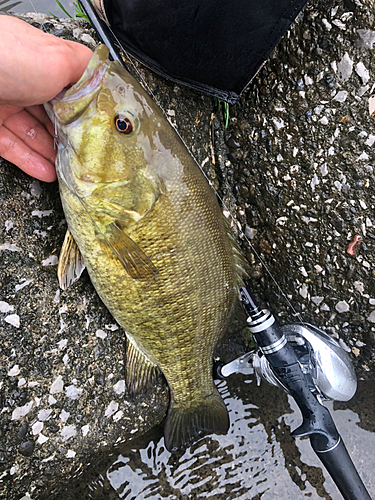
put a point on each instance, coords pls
(27, 128)
(40, 114)
(6, 110)
(28, 160)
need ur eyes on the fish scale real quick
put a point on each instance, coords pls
(153, 238)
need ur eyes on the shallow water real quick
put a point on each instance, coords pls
(46, 6)
(257, 459)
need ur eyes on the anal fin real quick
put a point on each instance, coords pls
(71, 263)
(141, 374)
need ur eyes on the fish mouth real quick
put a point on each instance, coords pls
(72, 101)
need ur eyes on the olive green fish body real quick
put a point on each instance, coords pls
(152, 236)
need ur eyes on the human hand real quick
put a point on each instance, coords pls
(35, 67)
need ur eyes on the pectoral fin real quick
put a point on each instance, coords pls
(141, 374)
(134, 260)
(71, 263)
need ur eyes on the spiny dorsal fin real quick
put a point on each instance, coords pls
(134, 260)
(141, 374)
(242, 265)
(71, 263)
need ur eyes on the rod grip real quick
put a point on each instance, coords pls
(342, 470)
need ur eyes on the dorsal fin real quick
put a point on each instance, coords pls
(241, 263)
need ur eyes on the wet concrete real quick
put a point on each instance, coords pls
(295, 168)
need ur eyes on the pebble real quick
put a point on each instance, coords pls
(41, 213)
(366, 38)
(359, 286)
(42, 439)
(344, 346)
(371, 109)
(52, 260)
(36, 189)
(57, 386)
(317, 300)
(26, 448)
(62, 344)
(13, 319)
(22, 285)
(88, 39)
(8, 225)
(73, 392)
(112, 327)
(68, 432)
(117, 416)
(44, 415)
(77, 33)
(342, 306)
(362, 72)
(345, 67)
(37, 428)
(64, 415)
(101, 334)
(341, 96)
(119, 387)
(51, 400)
(85, 430)
(13, 372)
(111, 409)
(303, 291)
(11, 247)
(21, 411)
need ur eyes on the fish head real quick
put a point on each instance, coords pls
(107, 126)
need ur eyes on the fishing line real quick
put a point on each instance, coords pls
(242, 234)
(32, 5)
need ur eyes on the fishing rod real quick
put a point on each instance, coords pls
(102, 31)
(301, 359)
(310, 366)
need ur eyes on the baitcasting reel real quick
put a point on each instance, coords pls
(327, 367)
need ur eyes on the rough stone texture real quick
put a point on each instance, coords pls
(298, 164)
(295, 168)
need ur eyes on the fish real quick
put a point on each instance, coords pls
(145, 223)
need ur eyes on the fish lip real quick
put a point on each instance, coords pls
(48, 106)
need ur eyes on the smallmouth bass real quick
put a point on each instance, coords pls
(153, 239)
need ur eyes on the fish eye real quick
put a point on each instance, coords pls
(124, 124)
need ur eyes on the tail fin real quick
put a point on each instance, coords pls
(183, 425)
